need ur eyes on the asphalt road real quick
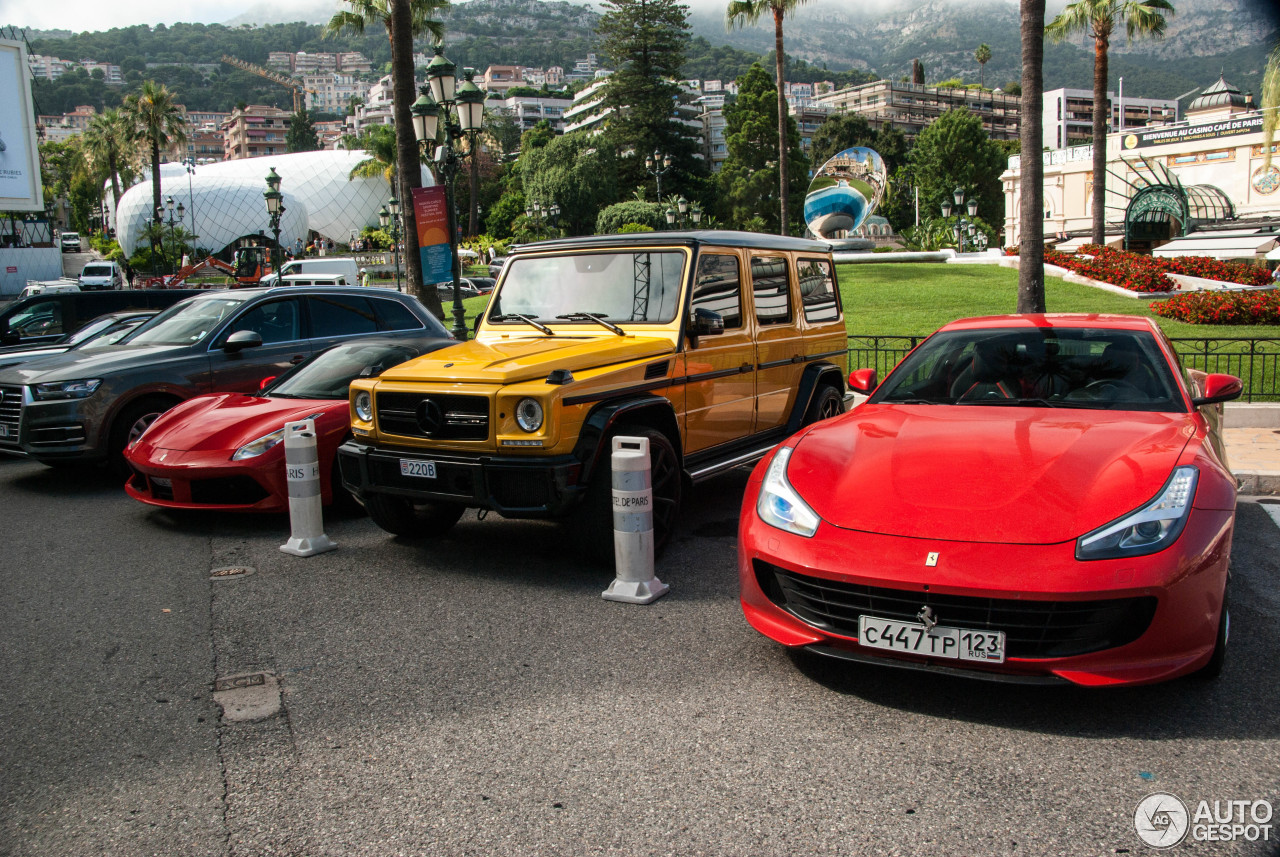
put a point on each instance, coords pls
(476, 696)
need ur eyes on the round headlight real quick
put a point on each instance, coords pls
(364, 406)
(529, 415)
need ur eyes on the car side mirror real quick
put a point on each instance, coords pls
(1218, 388)
(706, 323)
(863, 381)
(241, 340)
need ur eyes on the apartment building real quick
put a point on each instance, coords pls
(1068, 115)
(912, 107)
(255, 131)
(528, 110)
(331, 92)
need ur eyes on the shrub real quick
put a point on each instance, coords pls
(1140, 273)
(1222, 307)
(635, 227)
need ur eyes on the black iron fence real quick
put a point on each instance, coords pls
(1254, 361)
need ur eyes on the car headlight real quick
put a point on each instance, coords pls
(1148, 529)
(81, 389)
(779, 505)
(364, 406)
(254, 448)
(529, 415)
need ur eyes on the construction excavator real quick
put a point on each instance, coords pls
(248, 266)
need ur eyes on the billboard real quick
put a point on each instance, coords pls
(20, 188)
(432, 219)
(1235, 126)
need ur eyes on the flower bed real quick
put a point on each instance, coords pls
(1222, 307)
(1140, 273)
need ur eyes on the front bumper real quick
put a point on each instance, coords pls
(533, 487)
(58, 430)
(187, 480)
(1186, 581)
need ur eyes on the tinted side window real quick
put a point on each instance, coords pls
(717, 287)
(341, 315)
(769, 286)
(393, 315)
(818, 290)
(277, 321)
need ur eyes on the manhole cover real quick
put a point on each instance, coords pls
(230, 571)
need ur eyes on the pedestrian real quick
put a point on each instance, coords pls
(297, 247)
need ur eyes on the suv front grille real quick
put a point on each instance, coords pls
(1033, 629)
(10, 413)
(434, 415)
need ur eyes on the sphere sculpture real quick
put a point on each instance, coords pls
(845, 192)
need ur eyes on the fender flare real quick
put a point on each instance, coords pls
(654, 411)
(816, 375)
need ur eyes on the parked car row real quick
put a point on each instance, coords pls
(1037, 499)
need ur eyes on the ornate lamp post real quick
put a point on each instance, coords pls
(190, 164)
(462, 108)
(963, 227)
(274, 208)
(389, 218)
(657, 165)
(173, 237)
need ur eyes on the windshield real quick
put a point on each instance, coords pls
(328, 375)
(90, 330)
(186, 323)
(96, 271)
(619, 286)
(1097, 369)
(111, 337)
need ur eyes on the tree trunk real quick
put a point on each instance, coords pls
(155, 199)
(1031, 178)
(408, 160)
(783, 201)
(1101, 113)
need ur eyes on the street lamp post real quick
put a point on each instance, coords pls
(542, 216)
(657, 165)
(684, 213)
(963, 227)
(389, 217)
(462, 108)
(173, 237)
(190, 164)
(274, 208)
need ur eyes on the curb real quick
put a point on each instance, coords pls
(1259, 482)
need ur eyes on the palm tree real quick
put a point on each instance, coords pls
(402, 19)
(379, 143)
(158, 122)
(1031, 182)
(743, 12)
(1098, 18)
(1270, 102)
(983, 56)
(110, 144)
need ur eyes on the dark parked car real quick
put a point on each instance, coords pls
(49, 317)
(103, 330)
(87, 406)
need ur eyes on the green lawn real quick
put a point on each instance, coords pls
(916, 299)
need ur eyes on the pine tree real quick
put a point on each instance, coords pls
(301, 136)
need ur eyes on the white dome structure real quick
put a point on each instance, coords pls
(223, 201)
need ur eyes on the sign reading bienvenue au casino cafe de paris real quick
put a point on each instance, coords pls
(1189, 133)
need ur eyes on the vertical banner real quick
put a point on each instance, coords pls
(20, 188)
(432, 218)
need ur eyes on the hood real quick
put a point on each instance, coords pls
(9, 358)
(100, 362)
(987, 474)
(515, 360)
(227, 421)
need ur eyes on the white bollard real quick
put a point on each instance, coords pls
(633, 525)
(302, 464)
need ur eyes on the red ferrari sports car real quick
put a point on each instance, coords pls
(223, 451)
(1037, 498)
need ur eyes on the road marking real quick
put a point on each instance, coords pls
(1273, 510)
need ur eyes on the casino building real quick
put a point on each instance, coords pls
(1195, 187)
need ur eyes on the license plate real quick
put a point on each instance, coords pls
(4, 430)
(409, 467)
(937, 642)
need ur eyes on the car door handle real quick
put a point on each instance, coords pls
(297, 358)
(797, 358)
(744, 368)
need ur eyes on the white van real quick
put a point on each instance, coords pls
(338, 266)
(101, 275)
(314, 280)
(48, 287)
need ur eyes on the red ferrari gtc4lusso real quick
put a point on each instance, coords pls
(1037, 498)
(224, 451)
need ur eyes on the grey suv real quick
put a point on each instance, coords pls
(86, 407)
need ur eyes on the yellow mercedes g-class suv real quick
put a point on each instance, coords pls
(714, 345)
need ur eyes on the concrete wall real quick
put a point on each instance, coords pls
(19, 264)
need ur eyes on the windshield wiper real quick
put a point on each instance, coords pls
(916, 400)
(515, 316)
(597, 317)
(1031, 402)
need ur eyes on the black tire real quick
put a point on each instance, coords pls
(595, 518)
(130, 423)
(827, 402)
(1218, 659)
(400, 517)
